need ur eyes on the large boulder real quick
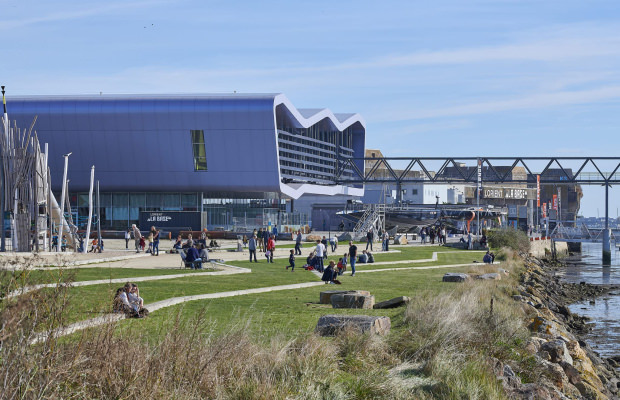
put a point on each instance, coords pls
(400, 239)
(329, 325)
(455, 277)
(345, 238)
(557, 350)
(393, 303)
(353, 300)
(326, 296)
(490, 277)
(313, 238)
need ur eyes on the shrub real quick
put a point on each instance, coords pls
(509, 238)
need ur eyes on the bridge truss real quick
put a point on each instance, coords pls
(454, 170)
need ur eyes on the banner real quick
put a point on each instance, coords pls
(479, 175)
(537, 190)
(544, 210)
(555, 202)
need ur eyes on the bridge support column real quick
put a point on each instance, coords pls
(606, 246)
(606, 231)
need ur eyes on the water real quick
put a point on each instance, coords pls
(604, 311)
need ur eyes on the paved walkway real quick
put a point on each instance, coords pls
(225, 270)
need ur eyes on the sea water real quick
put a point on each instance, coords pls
(603, 311)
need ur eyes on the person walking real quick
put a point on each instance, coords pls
(259, 240)
(291, 261)
(155, 241)
(271, 247)
(252, 247)
(136, 236)
(386, 241)
(352, 256)
(298, 244)
(369, 238)
(320, 252)
(127, 238)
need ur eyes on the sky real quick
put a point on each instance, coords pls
(513, 78)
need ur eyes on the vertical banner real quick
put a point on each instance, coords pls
(544, 210)
(479, 175)
(555, 202)
(559, 202)
(537, 190)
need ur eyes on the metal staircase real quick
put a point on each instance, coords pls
(373, 217)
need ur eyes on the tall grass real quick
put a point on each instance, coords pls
(440, 351)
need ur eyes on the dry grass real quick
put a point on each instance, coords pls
(440, 351)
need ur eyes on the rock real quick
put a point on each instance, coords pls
(455, 277)
(400, 239)
(313, 238)
(556, 374)
(571, 372)
(393, 303)
(353, 300)
(557, 350)
(490, 277)
(329, 325)
(345, 238)
(517, 297)
(326, 296)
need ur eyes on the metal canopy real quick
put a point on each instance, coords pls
(453, 170)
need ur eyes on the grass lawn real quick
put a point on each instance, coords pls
(89, 301)
(88, 274)
(292, 311)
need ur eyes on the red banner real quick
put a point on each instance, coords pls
(555, 202)
(544, 210)
(537, 190)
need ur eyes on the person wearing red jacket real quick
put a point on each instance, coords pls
(271, 246)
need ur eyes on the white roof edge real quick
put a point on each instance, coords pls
(308, 188)
(320, 115)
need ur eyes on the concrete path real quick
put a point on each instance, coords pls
(105, 319)
(226, 270)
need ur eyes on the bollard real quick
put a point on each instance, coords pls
(607, 246)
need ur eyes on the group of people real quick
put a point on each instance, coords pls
(140, 240)
(431, 233)
(384, 236)
(262, 241)
(128, 301)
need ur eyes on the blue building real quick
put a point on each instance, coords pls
(233, 157)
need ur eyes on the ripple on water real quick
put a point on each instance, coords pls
(605, 312)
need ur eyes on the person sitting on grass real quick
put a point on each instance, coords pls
(127, 301)
(371, 258)
(93, 247)
(329, 274)
(193, 257)
(363, 258)
(311, 261)
(291, 261)
(204, 253)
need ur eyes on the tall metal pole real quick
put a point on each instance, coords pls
(607, 231)
(478, 197)
(98, 218)
(5, 121)
(62, 201)
(90, 209)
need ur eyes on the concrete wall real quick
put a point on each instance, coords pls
(537, 248)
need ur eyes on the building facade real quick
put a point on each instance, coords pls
(237, 159)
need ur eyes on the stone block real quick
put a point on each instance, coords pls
(490, 277)
(326, 296)
(400, 239)
(313, 238)
(329, 325)
(353, 300)
(345, 238)
(393, 303)
(455, 277)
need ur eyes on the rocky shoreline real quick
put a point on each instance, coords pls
(569, 367)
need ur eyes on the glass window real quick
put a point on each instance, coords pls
(198, 148)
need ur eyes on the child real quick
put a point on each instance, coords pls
(142, 243)
(291, 261)
(268, 256)
(342, 265)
